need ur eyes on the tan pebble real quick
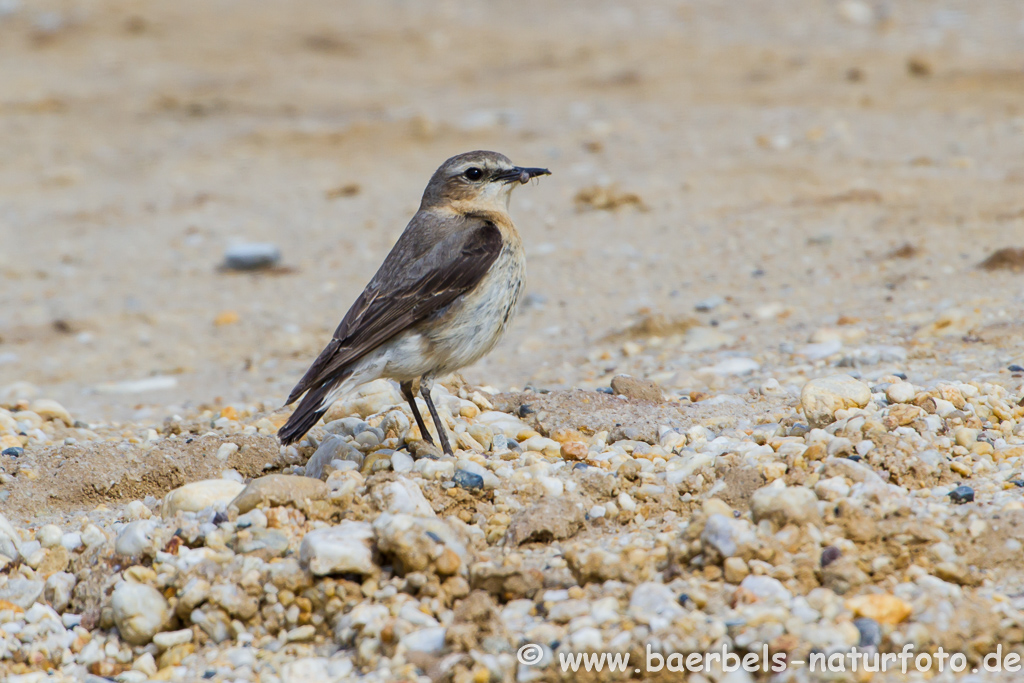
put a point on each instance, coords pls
(174, 656)
(574, 450)
(716, 506)
(565, 435)
(448, 563)
(1007, 453)
(735, 570)
(226, 318)
(883, 608)
(140, 574)
(982, 448)
(965, 436)
(49, 409)
(469, 411)
(56, 560)
(9, 441)
(774, 470)
(815, 452)
(960, 468)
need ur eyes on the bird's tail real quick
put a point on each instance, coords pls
(311, 408)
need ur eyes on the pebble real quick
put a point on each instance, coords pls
(165, 640)
(426, 640)
(345, 548)
(49, 409)
(783, 504)
(21, 592)
(199, 495)
(136, 538)
(821, 398)
(881, 607)
(251, 256)
(139, 611)
(226, 450)
(637, 389)
(279, 489)
(49, 535)
(655, 604)
(900, 392)
(404, 496)
(962, 494)
(468, 480)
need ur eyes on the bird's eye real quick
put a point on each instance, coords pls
(473, 173)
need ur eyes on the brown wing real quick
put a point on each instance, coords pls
(428, 268)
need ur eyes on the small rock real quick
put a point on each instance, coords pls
(735, 570)
(403, 496)
(251, 256)
(655, 604)
(198, 495)
(547, 520)
(882, 607)
(637, 389)
(49, 535)
(165, 640)
(830, 554)
(766, 588)
(870, 632)
(574, 450)
(784, 505)
(276, 490)
(709, 304)
(900, 392)
(821, 398)
(21, 592)
(135, 538)
(417, 543)
(13, 452)
(468, 480)
(334, 447)
(226, 450)
(49, 409)
(346, 548)
(962, 494)
(427, 640)
(140, 611)
(58, 590)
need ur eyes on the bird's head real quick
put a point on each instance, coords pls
(476, 181)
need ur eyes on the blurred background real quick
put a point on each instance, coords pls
(737, 188)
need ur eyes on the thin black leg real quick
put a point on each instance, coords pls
(442, 433)
(411, 398)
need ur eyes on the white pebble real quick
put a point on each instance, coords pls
(226, 450)
(49, 535)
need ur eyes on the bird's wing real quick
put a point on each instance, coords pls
(415, 280)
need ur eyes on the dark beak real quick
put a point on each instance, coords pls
(521, 174)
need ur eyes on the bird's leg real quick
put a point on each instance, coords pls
(442, 433)
(410, 396)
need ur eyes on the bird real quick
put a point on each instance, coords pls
(443, 297)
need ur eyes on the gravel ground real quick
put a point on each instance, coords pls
(765, 390)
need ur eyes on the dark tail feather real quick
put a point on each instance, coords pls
(305, 416)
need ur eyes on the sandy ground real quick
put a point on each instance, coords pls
(781, 153)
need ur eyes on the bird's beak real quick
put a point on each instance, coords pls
(520, 174)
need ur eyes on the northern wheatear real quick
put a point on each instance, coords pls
(443, 297)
